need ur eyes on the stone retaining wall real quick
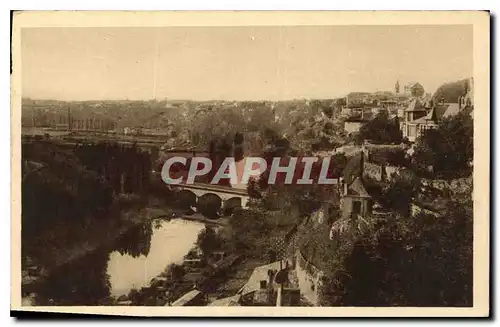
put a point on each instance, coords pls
(309, 278)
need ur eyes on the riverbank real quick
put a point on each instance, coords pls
(214, 280)
(213, 274)
(223, 221)
(66, 244)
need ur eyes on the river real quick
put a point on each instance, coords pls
(130, 263)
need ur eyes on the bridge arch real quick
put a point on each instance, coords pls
(231, 204)
(186, 198)
(209, 205)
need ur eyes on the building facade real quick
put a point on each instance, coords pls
(414, 89)
(423, 114)
(355, 200)
(467, 100)
(353, 126)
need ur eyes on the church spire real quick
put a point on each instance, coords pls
(396, 87)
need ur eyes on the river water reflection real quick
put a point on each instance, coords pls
(135, 258)
(169, 243)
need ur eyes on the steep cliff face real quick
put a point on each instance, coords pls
(313, 253)
(309, 279)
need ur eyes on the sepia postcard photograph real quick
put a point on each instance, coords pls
(310, 164)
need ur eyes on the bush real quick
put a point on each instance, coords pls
(175, 272)
(208, 241)
(406, 261)
(448, 150)
(381, 130)
(57, 188)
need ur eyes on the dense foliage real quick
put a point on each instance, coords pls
(414, 261)
(175, 271)
(208, 241)
(397, 258)
(450, 92)
(198, 123)
(68, 186)
(381, 129)
(448, 150)
(56, 187)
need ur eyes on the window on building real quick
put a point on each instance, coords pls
(412, 131)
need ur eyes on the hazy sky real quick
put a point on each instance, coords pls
(239, 63)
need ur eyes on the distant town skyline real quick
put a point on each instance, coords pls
(239, 63)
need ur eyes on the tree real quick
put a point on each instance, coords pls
(210, 125)
(208, 241)
(176, 272)
(398, 194)
(381, 129)
(449, 149)
(252, 231)
(450, 92)
(404, 261)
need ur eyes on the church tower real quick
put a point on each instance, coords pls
(396, 87)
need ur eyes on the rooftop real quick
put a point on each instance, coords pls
(452, 110)
(358, 189)
(259, 273)
(232, 301)
(430, 117)
(352, 168)
(438, 112)
(415, 105)
(186, 298)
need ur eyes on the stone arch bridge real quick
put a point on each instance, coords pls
(229, 196)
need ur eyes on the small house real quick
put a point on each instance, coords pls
(355, 199)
